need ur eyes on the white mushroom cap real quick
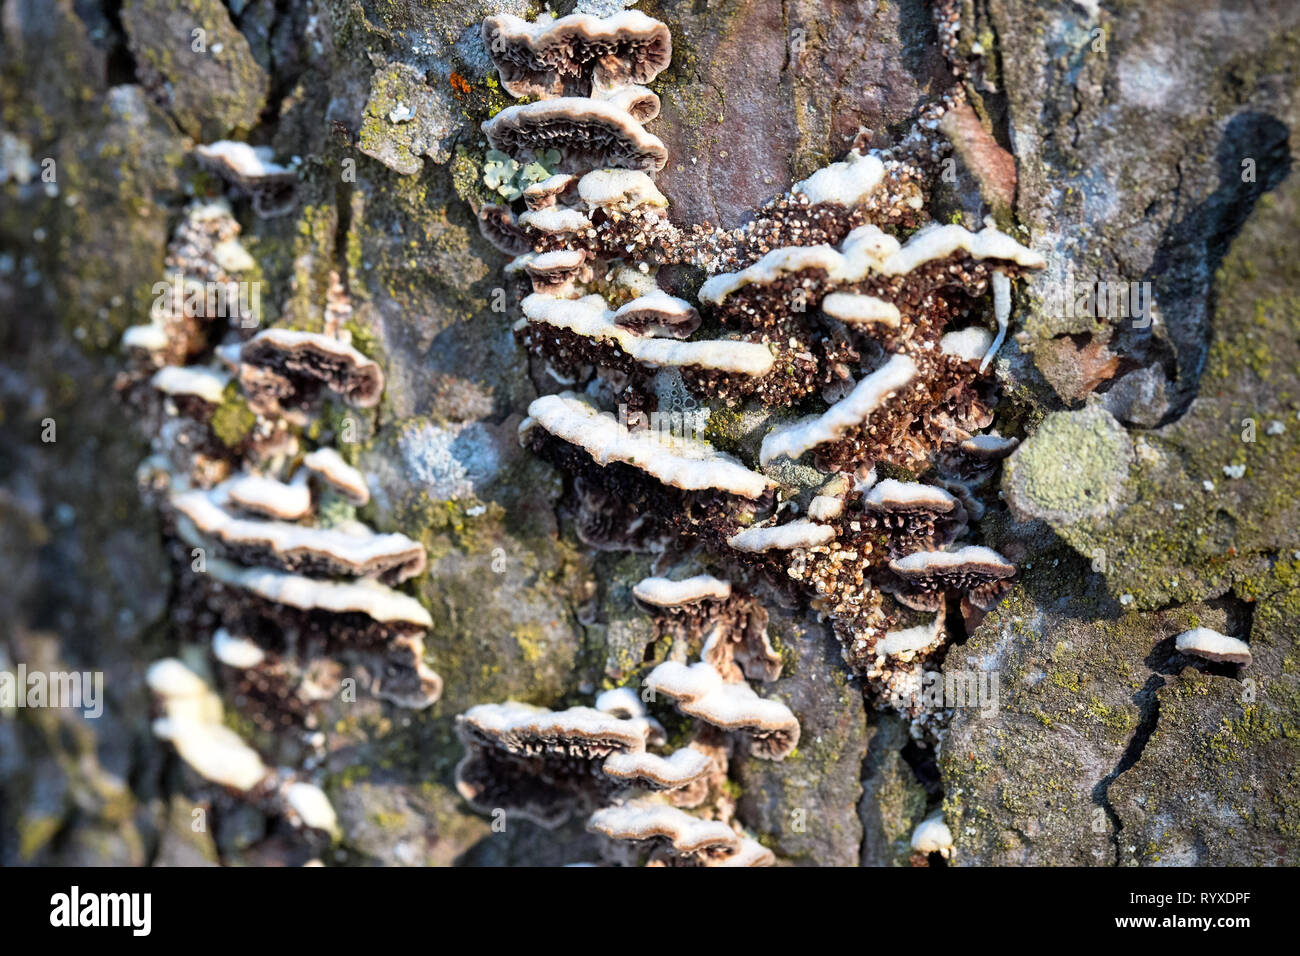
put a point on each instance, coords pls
(237, 652)
(311, 805)
(1213, 646)
(214, 751)
(852, 308)
(207, 384)
(679, 463)
(679, 768)
(800, 533)
(619, 189)
(845, 183)
(933, 836)
(910, 640)
(967, 344)
(661, 592)
(647, 821)
(891, 494)
(869, 394)
(622, 702)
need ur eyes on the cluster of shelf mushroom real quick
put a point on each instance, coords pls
(275, 567)
(606, 761)
(838, 294)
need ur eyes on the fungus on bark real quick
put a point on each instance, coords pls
(548, 192)
(302, 549)
(539, 764)
(338, 474)
(588, 133)
(309, 360)
(675, 837)
(869, 395)
(197, 383)
(558, 273)
(916, 511)
(577, 53)
(268, 497)
(191, 722)
(677, 770)
(573, 333)
(619, 191)
(933, 836)
(1213, 646)
(253, 171)
(979, 572)
(699, 691)
(658, 314)
(498, 225)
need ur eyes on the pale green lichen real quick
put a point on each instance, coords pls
(1073, 467)
(508, 179)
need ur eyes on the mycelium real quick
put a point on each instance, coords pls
(845, 330)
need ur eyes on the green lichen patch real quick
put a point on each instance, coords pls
(1073, 467)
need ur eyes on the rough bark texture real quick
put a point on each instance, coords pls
(1129, 124)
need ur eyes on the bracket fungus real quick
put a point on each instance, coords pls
(338, 474)
(681, 838)
(191, 721)
(699, 691)
(293, 547)
(308, 360)
(499, 226)
(281, 592)
(540, 764)
(550, 191)
(268, 497)
(658, 314)
(577, 53)
(679, 769)
(675, 479)
(1213, 646)
(587, 132)
(729, 628)
(978, 571)
(837, 331)
(253, 171)
(933, 836)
